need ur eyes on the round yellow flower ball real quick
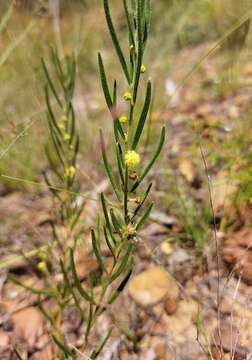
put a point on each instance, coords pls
(123, 119)
(132, 159)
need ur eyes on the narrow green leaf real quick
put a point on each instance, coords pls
(147, 21)
(121, 155)
(50, 83)
(50, 111)
(115, 222)
(126, 179)
(77, 282)
(67, 352)
(50, 187)
(76, 149)
(144, 217)
(71, 64)
(29, 288)
(139, 49)
(139, 21)
(142, 201)
(115, 94)
(123, 264)
(72, 130)
(117, 125)
(119, 163)
(45, 313)
(90, 311)
(110, 103)
(55, 135)
(17, 355)
(77, 215)
(54, 233)
(115, 40)
(97, 352)
(106, 216)
(70, 289)
(89, 321)
(57, 64)
(107, 167)
(104, 83)
(110, 246)
(56, 144)
(143, 117)
(153, 160)
(116, 132)
(129, 22)
(118, 129)
(97, 251)
(121, 287)
(52, 163)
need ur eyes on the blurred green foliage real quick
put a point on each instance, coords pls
(191, 22)
(176, 24)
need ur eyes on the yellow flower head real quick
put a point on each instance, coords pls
(127, 96)
(132, 159)
(42, 266)
(143, 69)
(70, 172)
(66, 137)
(123, 119)
(62, 122)
(63, 119)
(62, 125)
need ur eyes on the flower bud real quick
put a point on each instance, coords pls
(123, 119)
(70, 172)
(42, 267)
(66, 137)
(127, 96)
(143, 69)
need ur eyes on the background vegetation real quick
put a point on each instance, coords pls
(176, 24)
(198, 58)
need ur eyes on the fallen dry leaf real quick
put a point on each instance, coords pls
(5, 351)
(237, 251)
(29, 325)
(166, 247)
(186, 169)
(154, 286)
(153, 230)
(45, 354)
(223, 189)
(227, 341)
(181, 324)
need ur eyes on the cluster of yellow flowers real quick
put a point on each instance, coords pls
(70, 172)
(143, 69)
(132, 159)
(42, 266)
(123, 119)
(66, 137)
(62, 126)
(127, 96)
(62, 122)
